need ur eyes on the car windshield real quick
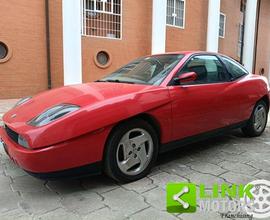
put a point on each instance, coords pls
(148, 70)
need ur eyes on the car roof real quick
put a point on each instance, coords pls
(188, 53)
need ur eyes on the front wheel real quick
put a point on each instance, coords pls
(131, 151)
(258, 120)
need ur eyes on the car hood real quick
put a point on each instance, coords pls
(81, 95)
(102, 104)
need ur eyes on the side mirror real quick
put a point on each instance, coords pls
(185, 77)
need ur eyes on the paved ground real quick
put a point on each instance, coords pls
(231, 158)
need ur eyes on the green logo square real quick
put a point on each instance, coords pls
(181, 198)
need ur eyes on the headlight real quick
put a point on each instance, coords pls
(22, 101)
(22, 142)
(53, 114)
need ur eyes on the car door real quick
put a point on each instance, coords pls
(238, 96)
(198, 106)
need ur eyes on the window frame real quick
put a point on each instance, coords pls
(229, 76)
(83, 18)
(224, 25)
(184, 16)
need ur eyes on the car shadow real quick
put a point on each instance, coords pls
(200, 146)
(102, 183)
(177, 154)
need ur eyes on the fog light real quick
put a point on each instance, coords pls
(22, 142)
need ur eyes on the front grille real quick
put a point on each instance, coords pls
(12, 134)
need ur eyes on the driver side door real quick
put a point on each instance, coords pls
(198, 106)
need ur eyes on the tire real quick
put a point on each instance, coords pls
(258, 120)
(131, 151)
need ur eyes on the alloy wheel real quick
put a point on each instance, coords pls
(134, 151)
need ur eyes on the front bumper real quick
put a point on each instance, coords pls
(59, 159)
(78, 172)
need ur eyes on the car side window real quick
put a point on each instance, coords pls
(235, 69)
(208, 69)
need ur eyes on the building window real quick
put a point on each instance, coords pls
(222, 25)
(3, 51)
(103, 59)
(176, 13)
(102, 18)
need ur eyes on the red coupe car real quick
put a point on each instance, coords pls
(120, 123)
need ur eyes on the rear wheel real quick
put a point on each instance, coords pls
(131, 151)
(258, 120)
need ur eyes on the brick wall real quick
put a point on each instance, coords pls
(263, 47)
(193, 37)
(229, 44)
(56, 41)
(22, 27)
(136, 40)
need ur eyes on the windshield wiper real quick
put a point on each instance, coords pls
(115, 81)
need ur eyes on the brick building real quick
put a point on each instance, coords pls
(49, 43)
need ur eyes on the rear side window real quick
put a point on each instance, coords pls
(235, 69)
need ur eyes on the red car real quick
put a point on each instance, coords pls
(120, 124)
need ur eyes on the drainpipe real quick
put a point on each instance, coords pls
(257, 36)
(48, 45)
(243, 35)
